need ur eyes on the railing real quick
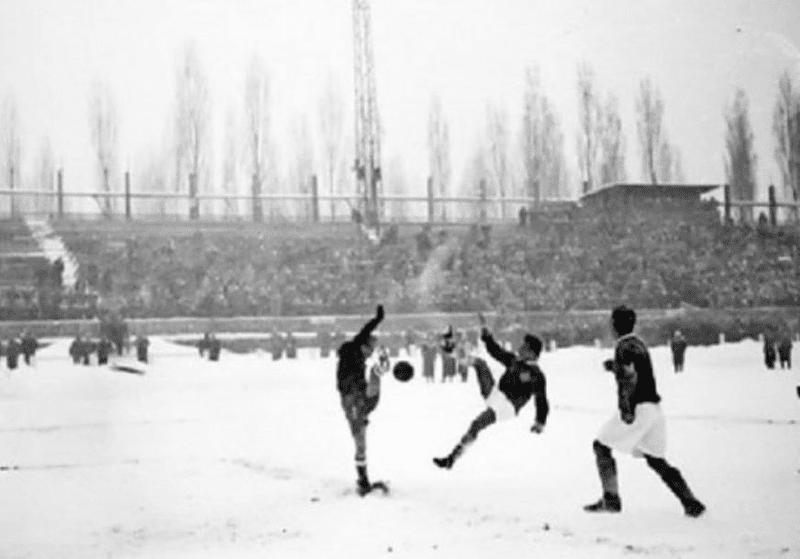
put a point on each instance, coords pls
(318, 208)
(256, 207)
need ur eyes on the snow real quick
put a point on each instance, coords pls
(249, 457)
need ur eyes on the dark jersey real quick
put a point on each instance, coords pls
(518, 390)
(678, 347)
(634, 374)
(351, 370)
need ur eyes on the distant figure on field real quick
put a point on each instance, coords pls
(678, 346)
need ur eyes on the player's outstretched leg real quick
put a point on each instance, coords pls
(607, 469)
(674, 480)
(484, 377)
(486, 418)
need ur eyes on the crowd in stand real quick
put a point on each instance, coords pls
(650, 257)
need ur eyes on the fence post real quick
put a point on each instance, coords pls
(194, 203)
(314, 199)
(773, 209)
(483, 199)
(127, 195)
(430, 200)
(106, 193)
(11, 198)
(255, 193)
(727, 207)
(60, 193)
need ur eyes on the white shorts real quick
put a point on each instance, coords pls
(502, 406)
(646, 435)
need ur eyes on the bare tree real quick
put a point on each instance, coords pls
(439, 152)
(475, 174)
(302, 167)
(257, 117)
(45, 177)
(590, 122)
(740, 157)
(612, 144)
(103, 127)
(786, 129)
(650, 127)
(677, 165)
(230, 165)
(497, 135)
(192, 124)
(331, 125)
(542, 143)
(11, 145)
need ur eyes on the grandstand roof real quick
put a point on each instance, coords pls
(646, 190)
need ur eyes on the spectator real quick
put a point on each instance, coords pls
(214, 348)
(142, 348)
(76, 349)
(12, 353)
(291, 346)
(28, 345)
(769, 349)
(277, 345)
(104, 349)
(204, 344)
(324, 342)
(429, 351)
(785, 350)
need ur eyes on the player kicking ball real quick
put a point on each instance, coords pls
(504, 399)
(639, 428)
(359, 395)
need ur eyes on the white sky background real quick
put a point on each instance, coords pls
(469, 52)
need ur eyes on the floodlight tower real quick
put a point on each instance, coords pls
(367, 133)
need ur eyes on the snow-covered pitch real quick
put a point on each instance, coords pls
(248, 457)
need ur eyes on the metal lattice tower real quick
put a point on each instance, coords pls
(368, 143)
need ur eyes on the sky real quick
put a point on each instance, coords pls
(470, 53)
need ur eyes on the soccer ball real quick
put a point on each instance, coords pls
(403, 371)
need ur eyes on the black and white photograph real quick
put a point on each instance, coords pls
(443, 279)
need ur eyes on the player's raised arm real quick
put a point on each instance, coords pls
(370, 326)
(542, 405)
(494, 349)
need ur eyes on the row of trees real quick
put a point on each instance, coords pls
(538, 170)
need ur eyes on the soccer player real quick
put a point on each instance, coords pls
(640, 427)
(359, 396)
(521, 380)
